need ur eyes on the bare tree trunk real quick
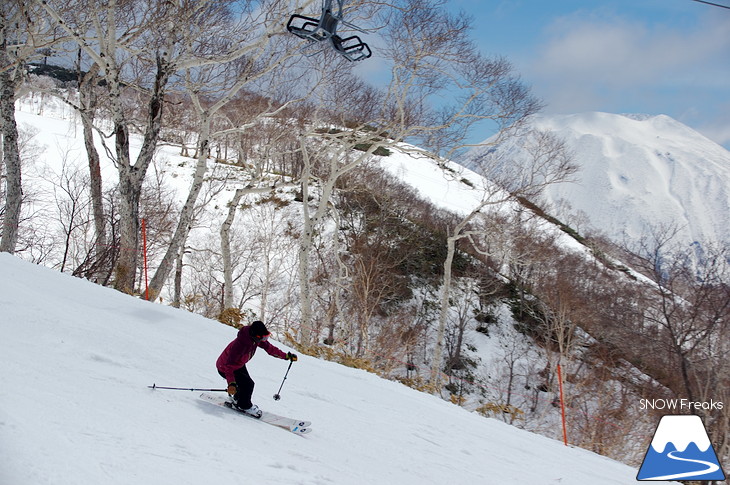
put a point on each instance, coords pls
(11, 154)
(305, 248)
(97, 195)
(131, 176)
(185, 222)
(25, 38)
(438, 352)
(87, 107)
(129, 226)
(178, 278)
(226, 250)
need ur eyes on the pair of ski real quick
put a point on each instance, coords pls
(293, 425)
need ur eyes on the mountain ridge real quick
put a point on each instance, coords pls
(638, 173)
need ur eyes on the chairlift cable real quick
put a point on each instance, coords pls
(714, 4)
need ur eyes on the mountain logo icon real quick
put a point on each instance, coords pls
(680, 450)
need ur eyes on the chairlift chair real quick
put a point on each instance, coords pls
(324, 28)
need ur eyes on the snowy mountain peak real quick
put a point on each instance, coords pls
(640, 127)
(637, 116)
(680, 431)
(639, 172)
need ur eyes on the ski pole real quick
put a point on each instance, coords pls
(277, 396)
(155, 386)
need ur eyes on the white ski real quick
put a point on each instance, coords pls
(294, 425)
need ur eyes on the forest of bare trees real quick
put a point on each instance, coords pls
(288, 217)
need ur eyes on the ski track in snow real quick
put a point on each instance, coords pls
(711, 468)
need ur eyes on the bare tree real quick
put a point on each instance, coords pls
(140, 46)
(226, 249)
(33, 239)
(71, 197)
(10, 79)
(114, 35)
(22, 33)
(87, 107)
(687, 309)
(691, 309)
(504, 181)
(439, 87)
(214, 82)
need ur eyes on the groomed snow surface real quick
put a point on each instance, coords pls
(77, 358)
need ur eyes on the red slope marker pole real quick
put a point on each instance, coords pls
(562, 405)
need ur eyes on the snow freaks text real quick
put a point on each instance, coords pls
(679, 404)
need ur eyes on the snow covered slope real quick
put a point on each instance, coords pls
(77, 358)
(640, 170)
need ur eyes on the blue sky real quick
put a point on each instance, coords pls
(620, 56)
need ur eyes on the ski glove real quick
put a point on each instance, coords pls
(292, 357)
(232, 388)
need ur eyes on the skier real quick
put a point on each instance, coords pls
(232, 364)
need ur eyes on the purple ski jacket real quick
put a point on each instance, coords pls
(240, 351)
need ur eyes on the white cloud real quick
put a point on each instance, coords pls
(590, 62)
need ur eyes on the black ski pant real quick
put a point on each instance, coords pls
(244, 384)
